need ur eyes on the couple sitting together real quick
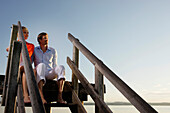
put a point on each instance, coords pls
(45, 61)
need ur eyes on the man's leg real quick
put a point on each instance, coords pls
(40, 87)
(59, 73)
(60, 84)
(40, 77)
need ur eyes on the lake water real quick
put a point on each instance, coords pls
(115, 109)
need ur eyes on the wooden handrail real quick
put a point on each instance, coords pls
(36, 102)
(89, 88)
(131, 95)
(89, 55)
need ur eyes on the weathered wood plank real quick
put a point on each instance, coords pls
(99, 87)
(12, 80)
(14, 32)
(140, 104)
(99, 102)
(20, 97)
(76, 61)
(37, 105)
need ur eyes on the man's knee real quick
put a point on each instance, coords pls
(41, 66)
(60, 72)
(59, 68)
(62, 67)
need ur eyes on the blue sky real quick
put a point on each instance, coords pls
(131, 37)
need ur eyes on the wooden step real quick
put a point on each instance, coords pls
(53, 105)
(51, 87)
(60, 105)
(50, 91)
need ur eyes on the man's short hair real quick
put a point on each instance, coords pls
(40, 36)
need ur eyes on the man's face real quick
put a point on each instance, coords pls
(44, 40)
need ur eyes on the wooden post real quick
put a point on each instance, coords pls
(14, 32)
(20, 97)
(74, 78)
(48, 109)
(36, 102)
(99, 87)
(13, 75)
(76, 62)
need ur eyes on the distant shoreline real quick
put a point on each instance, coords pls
(127, 103)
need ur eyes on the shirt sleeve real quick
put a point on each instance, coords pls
(55, 59)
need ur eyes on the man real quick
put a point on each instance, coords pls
(46, 66)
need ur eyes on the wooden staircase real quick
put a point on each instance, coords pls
(50, 91)
(74, 92)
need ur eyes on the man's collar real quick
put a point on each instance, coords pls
(48, 48)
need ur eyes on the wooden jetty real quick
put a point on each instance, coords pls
(74, 93)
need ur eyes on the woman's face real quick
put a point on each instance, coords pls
(25, 33)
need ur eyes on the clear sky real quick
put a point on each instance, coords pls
(132, 37)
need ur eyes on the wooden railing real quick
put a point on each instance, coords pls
(13, 82)
(36, 102)
(13, 78)
(100, 70)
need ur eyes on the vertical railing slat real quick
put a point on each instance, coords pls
(14, 32)
(99, 87)
(20, 97)
(12, 80)
(76, 61)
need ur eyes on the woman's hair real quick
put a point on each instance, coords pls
(23, 27)
(40, 36)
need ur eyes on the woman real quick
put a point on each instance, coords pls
(30, 48)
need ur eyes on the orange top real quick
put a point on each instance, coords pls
(30, 48)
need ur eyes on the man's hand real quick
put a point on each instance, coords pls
(7, 49)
